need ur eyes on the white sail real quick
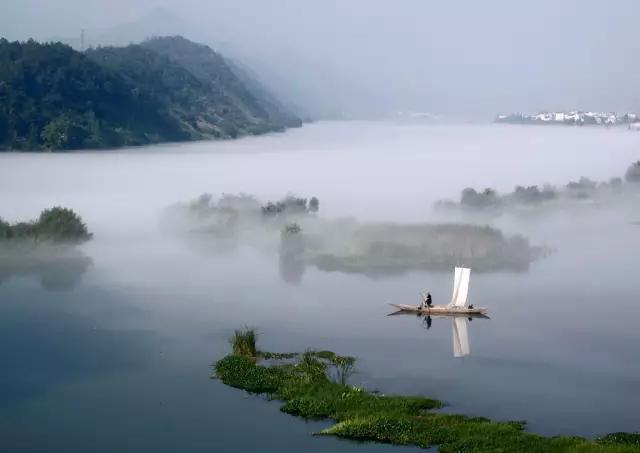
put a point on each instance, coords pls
(461, 280)
(456, 283)
(460, 337)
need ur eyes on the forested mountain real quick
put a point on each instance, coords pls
(224, 78)
(52, 97)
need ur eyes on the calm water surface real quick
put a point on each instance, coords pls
(115, 355)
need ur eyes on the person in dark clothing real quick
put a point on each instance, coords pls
(429, 301)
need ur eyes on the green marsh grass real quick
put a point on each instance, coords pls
(304, 385)
(243, 342)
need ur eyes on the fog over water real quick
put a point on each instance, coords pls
(118, 357)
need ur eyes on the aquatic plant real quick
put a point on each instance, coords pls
(312, 367)
(345, 367)
(267, 355)
(244, 342)
(307, 391)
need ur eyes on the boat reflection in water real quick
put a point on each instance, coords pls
(459, 329)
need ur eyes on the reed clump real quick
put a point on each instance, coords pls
(243, 342)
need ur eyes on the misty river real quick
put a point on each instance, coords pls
(111, 350)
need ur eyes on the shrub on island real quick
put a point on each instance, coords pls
(633, 173)
(60, 225)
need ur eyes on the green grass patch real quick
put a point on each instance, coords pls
(308, 389)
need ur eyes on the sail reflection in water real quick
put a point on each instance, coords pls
(460, 336)
(459, 329)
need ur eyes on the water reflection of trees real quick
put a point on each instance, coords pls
(58, 268)
(291, 254)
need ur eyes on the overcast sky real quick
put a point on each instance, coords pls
(467, 57)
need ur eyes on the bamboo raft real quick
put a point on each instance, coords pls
(445, 310)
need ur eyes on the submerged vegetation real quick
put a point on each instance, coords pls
(532, 197)
(292, 227)
(303, 382)
(58, 225)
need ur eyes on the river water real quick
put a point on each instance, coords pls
(113, 352)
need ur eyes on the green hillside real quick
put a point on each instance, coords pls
(55, 98)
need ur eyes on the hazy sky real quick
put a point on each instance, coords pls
(368, 57)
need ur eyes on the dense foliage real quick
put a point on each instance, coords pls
(302, 381)
(54, 225)
(633, 173)
(53, 97)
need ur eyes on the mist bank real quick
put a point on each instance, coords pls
(293, 228)
(584, 193)
(165, 89)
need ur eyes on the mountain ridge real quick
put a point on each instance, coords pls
(56, 98)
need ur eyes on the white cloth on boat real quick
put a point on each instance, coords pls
(461, 279)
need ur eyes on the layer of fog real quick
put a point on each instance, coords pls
(369, 171)
(363, 58)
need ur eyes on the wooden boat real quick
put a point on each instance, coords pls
(444, 310)
(458, 304)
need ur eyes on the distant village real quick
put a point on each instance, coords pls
(574, 118)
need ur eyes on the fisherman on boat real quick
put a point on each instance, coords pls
(429, 301)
